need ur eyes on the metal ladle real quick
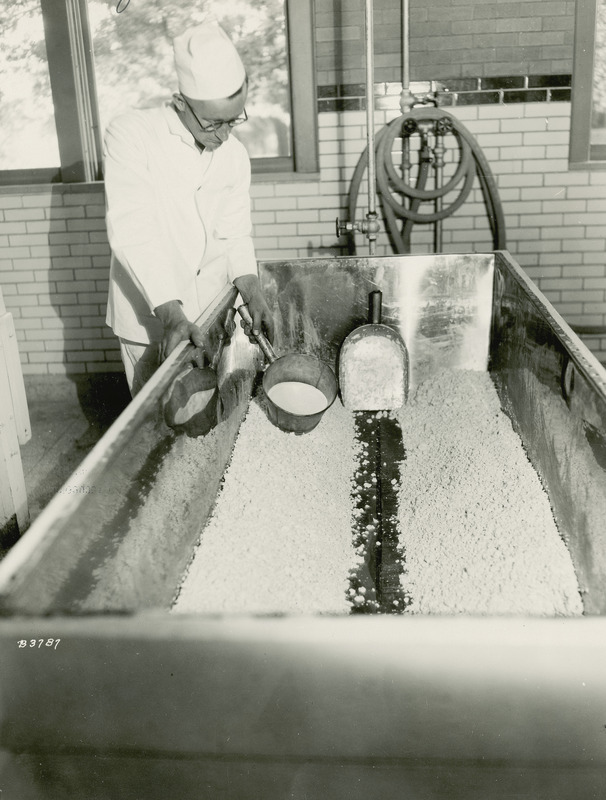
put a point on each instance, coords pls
(296, 367)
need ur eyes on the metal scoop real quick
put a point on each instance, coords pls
(293, 368)
(193, 403)
(373, 365)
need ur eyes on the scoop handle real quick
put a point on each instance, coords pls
(375, 307)
(261, 338)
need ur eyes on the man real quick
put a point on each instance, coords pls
(178, 207)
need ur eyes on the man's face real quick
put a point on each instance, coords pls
(208, 120)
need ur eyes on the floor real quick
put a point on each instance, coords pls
(68, 416)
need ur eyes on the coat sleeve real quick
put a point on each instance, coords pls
(132, 215)
(234, 225)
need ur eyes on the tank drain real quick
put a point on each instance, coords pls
(375, 585)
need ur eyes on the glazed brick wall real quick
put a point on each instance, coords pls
(54, 261)
(54, 255)
(448, 39)
(554, 217)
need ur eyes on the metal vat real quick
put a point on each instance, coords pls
(134, 702)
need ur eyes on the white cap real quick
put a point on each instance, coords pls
(208, 65)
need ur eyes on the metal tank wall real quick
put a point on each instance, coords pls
(109, 542)
(554, 390)
(117, 698)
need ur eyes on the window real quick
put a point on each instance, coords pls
(28, 138)
(132, 66)
(588, 124)
(134, 60)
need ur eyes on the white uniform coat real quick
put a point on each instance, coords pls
(178, 220)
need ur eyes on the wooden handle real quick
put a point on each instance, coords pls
(262, 340)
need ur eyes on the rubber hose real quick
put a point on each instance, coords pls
(481, 168)
(488, 186)
(415, 216)
(401, 239)
(384, 157)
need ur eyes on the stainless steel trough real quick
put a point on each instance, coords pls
(105, 695)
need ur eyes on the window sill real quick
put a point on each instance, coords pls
(99, 186)
(592, 166)
(52, 188)
(285, 177)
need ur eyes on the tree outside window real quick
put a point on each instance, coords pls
(68, 66)
(28, 138)
(134, 60)
(588, 113)
(598, 95)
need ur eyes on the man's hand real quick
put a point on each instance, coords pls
(252, 294)
(177, 327)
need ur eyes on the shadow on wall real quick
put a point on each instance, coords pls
(102, 398)
(77, 289)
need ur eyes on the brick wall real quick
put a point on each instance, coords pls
(448, 39)
(54, 260)
(54, 255)
(554, 217)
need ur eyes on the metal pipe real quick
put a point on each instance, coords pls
(406, 98)
(405, 44)
(438, 151)
(405, 104)
(370, 126)
(371, 225)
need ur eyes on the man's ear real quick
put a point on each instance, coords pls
(178, 101)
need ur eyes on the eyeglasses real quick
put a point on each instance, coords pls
(214, 126)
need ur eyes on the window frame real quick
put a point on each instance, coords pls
(72, 77)
(582, 154)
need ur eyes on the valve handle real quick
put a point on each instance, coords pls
(342, 227)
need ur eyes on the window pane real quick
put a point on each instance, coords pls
(598, 115)
(134, 60)
(28, 138)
